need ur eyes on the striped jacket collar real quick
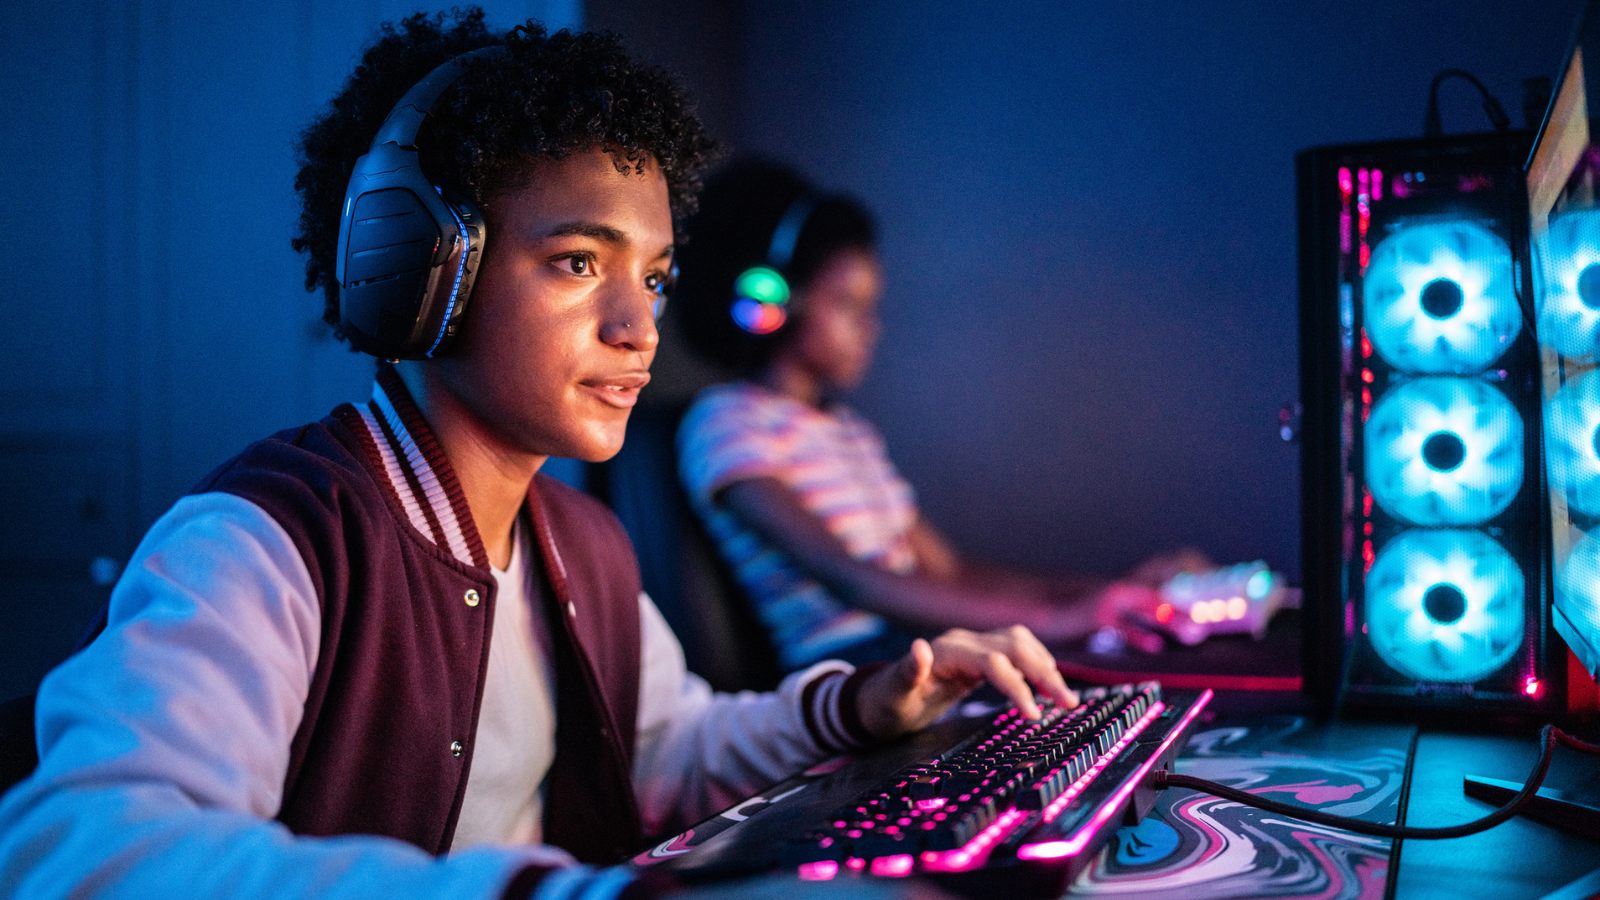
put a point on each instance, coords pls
(402, 447)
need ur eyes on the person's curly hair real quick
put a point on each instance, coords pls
(740, 208)
(549, 96)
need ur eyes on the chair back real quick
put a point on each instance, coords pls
(723, 640)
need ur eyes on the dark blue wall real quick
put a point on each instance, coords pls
(156, 316)
(1089, 229)
(1088, 222)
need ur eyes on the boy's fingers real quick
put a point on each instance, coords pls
(1000, 671)
(1039, 666)
(914, 668)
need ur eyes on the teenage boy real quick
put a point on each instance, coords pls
(379, 655)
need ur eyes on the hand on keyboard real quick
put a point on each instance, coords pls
(913, 692)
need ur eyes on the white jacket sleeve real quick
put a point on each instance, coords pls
(699, 752)
(164, 744)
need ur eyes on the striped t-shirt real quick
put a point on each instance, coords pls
(835, 463)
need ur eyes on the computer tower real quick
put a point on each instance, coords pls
(1426, 548)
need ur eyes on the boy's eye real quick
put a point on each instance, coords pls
(575, 265)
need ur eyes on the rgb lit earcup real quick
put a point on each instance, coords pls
(1439, 298)
(760, 300)
(1445, 605)
(761, 293)
(405, 279)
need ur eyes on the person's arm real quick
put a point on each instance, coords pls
(936, 558)
(164, 744)
(698, 752)
(926, 603)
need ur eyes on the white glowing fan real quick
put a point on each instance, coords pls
(1445, 605)
(1572, 443)
(1438, 298)
(1578, 585)
(1444, 451)
(1568, 283)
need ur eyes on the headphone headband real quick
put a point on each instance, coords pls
(780, 250)
(400, 127)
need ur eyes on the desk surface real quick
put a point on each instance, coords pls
(1512, 861)
(1200, 847)
(1517, 860)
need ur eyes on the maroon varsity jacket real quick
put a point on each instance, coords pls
(407, 601)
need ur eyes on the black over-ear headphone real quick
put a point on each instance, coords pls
(408, 250)
(761, 293)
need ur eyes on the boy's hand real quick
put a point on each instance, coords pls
(928, 680)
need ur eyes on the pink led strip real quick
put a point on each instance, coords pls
(1113, 806)
(972, 854)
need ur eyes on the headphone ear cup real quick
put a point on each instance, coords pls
(408, 251)
(406, 275)
(387, 250)
(760, 300)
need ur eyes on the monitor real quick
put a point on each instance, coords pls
(1563, 276)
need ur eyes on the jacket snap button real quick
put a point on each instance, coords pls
(472, 597)
(455, 748)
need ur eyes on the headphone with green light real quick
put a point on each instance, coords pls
(761, 293)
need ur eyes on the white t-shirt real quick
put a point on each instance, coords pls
(516, 740)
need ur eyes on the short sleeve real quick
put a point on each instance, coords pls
(731, 434)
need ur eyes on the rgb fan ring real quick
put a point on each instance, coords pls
(1438, 298)
(1444, 451)
(1445, 606)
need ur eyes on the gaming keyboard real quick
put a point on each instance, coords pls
(987, 804)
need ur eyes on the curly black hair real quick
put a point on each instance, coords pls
(740, 208)
(549, 96)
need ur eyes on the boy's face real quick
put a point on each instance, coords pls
(560, 334)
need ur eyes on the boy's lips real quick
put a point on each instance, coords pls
(621, 391)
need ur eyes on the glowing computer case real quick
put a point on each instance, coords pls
(1426, 551)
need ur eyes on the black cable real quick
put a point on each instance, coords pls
(1391, 881)
(1431, 126)
(1548, 736)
